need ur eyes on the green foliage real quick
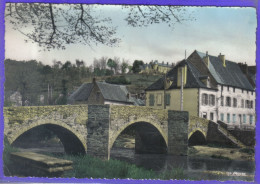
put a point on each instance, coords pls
(111, 63)
(7, 162)
(89, 167)
(220, 157)
(250, 151)
(118, 80)
(124, 66)
(136, 66)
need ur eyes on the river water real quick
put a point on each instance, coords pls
(194, 168)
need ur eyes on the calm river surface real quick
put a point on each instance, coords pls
(195, 168)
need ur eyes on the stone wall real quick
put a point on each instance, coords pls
(178, 132)
(245, 136)
(197, 123)
(18, 120)
(98, 131)
(215, 137)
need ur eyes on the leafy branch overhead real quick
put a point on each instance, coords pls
(54, 26)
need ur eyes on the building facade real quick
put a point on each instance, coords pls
(213, 88)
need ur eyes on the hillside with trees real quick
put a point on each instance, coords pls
(40, 84)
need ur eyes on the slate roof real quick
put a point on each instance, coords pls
(193, 78)
(114, 92)
(231, 75)
(82, 93)
(110, 92)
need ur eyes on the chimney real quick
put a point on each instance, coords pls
(243, 67)
(206, 59)
(222, 57)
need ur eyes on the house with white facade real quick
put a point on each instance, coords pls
(213, 88)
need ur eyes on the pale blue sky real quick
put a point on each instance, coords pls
(230, 31)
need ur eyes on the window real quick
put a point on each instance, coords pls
(234, 102)
(222, 117)
(228, 118)
(251, 119)
(204, 99)
(212, 100)
(242, 91)
(252, 92)
(228, 88)
(234, 89)
(167, 99)
(242, 103)
(252, 104)
(151, 100)
(159, 99)
(221, 88)
(247, 104)
(244, 118)
(204, 115)
(212, 116)
(234, 118)
(228, 101)
(222, 101)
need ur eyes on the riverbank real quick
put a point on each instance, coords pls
(222, 153)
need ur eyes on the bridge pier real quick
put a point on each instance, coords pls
(178, 132)
(98, 131)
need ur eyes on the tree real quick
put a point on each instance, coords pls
(25, 78)
(111, 63)
(58, 25)
(124, 66)
(136, 66)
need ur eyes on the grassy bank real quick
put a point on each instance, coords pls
(91, 167)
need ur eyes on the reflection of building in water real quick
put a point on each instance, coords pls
(213, 88)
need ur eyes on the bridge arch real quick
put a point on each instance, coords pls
(197, 137)
(68, 136)
(114, 134)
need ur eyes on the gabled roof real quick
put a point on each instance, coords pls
(193, 76)
(82, 93)
(110, 92)
(231, 75)
(113, 92)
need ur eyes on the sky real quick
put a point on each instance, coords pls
(229, 31)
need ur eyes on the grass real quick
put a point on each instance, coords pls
(86, 166)
(7, 162)
(249, 151)
(220, 157)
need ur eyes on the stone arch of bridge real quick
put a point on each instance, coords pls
(197, 129)
(197, 138)
(140, 120)
(56, 123)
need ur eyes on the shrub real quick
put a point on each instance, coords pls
(118, 80)
(250, 151)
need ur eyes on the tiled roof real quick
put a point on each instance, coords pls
(230, 75)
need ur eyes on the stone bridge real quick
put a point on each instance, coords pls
(93, 129)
